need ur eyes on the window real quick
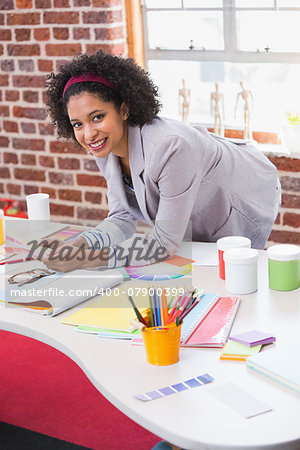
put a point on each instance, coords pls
(225, 41)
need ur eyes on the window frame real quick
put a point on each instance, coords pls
(135, 33)
(231, 53)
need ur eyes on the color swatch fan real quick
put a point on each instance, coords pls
(158, 272)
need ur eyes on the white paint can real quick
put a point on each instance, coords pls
(241, 270)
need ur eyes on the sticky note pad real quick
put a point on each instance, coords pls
(238, 352)
(237, 398)
(253, 338)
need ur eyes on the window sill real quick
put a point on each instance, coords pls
(268, 142)
(277, 150)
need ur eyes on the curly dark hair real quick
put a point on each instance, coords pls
(133, 84)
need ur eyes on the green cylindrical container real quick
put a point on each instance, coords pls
(284, 267)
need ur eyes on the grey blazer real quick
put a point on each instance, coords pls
(184, 176)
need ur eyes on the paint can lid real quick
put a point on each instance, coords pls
(284, 252)
(233, 242)
(240, 255)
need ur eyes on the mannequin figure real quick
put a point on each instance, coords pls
(248, 107)
(217, 109)
(184, 97)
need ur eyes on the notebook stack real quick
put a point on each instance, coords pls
(281, 364)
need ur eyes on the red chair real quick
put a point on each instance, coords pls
(13, 208)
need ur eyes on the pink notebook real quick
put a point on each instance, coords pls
(214, 329)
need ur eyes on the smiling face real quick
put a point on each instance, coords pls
(99, 126)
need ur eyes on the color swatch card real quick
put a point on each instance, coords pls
(65, 234)
(6, 252)
(238, 352)
(174, 388)
(13, 251)
(179, 261)
(13, 255)
(253, 338)
(106, 333)
(159, 271)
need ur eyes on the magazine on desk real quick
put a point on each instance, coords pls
(56, 291)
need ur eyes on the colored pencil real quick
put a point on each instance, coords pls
(183, 300)
(137, 313)
(165, 306)
(155, 314)
(170, 305)
(173, 310)
(177, 314)
(158, 309)
(159, 302)
(192, 298)
(196, 300)
(151, 310)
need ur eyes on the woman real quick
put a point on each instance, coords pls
(168, 174)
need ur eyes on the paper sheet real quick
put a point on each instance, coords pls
(205, 254)
(237, 398)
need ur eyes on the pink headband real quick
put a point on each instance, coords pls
(81, 78)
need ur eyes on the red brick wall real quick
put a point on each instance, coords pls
(287, 226)
(36, 36)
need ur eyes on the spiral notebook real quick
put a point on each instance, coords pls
(214, 328)
(197, 314)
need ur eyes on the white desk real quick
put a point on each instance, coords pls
(193, 419)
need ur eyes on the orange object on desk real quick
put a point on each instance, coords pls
(162, 344)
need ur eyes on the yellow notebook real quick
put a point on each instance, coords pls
(116, 317)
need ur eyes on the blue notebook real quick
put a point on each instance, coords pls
(197, 314)
(281, 364)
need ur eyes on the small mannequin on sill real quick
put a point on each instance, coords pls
(248, 108)
(217, 110)
(184, 101)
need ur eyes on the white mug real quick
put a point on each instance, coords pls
(38, 206)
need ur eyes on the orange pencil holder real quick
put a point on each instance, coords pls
(162, 344)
